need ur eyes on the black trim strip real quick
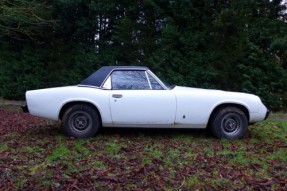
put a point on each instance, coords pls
(267, 114)
(25, 108)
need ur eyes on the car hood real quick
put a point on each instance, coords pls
(215, 93)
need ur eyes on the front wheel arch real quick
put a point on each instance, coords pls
(221, 106)
(70, 104)
(214, 128)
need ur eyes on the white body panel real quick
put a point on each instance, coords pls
(197, 104)
(179, 107)
(47, 103)
(155, 107)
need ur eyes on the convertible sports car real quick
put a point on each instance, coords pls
(132, 96)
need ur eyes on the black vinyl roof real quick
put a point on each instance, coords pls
(99, 77)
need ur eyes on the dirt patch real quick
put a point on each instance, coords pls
(17, 121)
(277, 116)
(11, 102)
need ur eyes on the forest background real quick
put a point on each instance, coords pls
(224, 44)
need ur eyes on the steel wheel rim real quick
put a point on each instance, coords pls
(80, 121)
(231, 124)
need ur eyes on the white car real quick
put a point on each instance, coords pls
(132, 96)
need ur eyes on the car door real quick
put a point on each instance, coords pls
(137, 98)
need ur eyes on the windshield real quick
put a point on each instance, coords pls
(168, 86)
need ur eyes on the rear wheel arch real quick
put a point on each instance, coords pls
(70, 104)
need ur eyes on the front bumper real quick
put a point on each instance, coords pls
(25, 108)
(267, 114)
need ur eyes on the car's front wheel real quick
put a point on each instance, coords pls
(81, 121)
(230, 123)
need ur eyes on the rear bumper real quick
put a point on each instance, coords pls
(25, 108)
(267, 114)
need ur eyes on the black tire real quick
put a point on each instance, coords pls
(229, 123)
(81, 121)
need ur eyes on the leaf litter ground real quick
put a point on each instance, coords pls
(35, 155)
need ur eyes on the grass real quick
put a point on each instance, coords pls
(40, 157)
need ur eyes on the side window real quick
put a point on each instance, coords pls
(154, 84)
(129, 80)
(108, 85)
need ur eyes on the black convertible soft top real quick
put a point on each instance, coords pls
(99, 77)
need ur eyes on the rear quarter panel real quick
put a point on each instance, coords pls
(47, 103)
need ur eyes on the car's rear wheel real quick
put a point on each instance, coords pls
(229, 123)
(81, 121)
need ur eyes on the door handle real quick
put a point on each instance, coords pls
(117, 95)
